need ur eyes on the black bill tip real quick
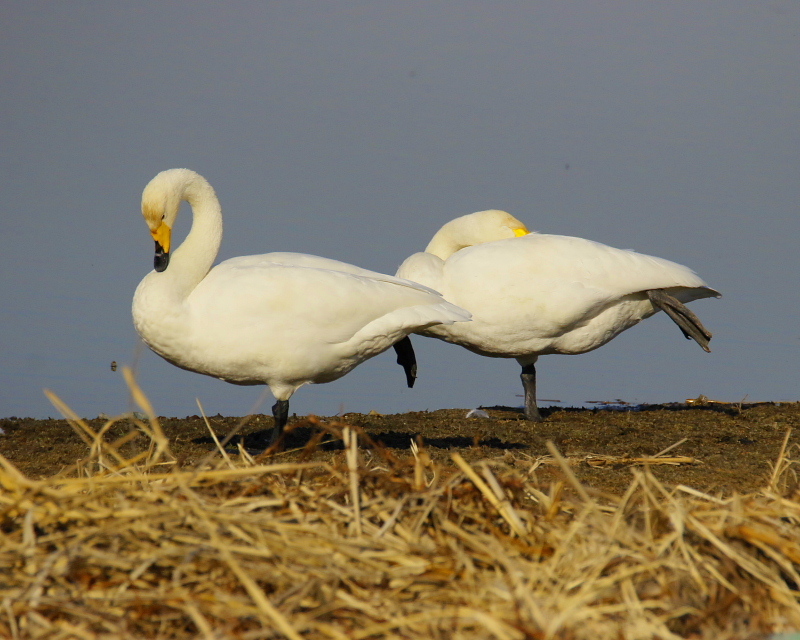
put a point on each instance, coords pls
(161, 259)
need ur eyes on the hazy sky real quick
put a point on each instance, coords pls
(354, 130)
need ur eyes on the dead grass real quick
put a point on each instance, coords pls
(373, 546)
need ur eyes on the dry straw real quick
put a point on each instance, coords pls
(128, 545)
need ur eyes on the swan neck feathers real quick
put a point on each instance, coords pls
(161, 202)
(472, 229)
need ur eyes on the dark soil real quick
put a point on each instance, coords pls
(734, 445)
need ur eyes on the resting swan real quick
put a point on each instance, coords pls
(280, 319)
(532, 294)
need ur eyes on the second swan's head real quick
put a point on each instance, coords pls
(475, 228)
(491, 225)
(161, 201)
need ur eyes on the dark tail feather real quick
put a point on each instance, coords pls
(681, 315)
(407, 359)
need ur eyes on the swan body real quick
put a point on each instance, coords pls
(532, 294)
(282, 319)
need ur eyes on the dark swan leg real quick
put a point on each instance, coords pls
(280, 411)
(407, 359)
(528, 377)
(681, 315)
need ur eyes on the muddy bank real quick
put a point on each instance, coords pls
(726, 448)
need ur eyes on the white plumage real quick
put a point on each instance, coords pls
(279, 319)
(533, 294)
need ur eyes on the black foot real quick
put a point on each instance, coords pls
(681, 315)
(528, 377)
(407, 359)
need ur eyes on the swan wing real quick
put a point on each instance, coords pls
(525, 293)
(618, 271)
(265, 321)
(288, 258)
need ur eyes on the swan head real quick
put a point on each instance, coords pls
(475, 228)
(494, 225)
(161, 201)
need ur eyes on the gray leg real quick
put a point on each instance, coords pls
(681, 315)
(528, 377)
(406, 359)
(280, 411)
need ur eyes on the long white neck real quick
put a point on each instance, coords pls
(190, 262)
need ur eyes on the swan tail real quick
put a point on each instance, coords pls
(681, 315)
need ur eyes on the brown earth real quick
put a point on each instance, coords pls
(727, 447)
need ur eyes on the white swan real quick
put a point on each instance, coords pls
(279, 319)
(532, 294)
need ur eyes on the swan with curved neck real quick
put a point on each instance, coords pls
(532, 294)
(280, 319)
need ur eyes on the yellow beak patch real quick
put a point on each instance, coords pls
(522, 231)
(163, 235)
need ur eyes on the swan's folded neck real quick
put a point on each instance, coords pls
(190, 262)
(447, 241)
(474, 228)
